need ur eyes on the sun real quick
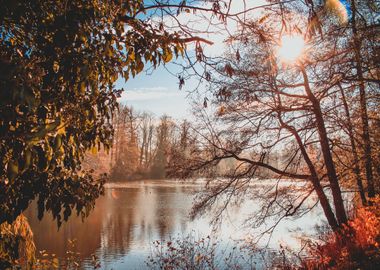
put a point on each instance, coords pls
(291, 48)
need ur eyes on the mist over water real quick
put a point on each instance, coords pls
(130, 216)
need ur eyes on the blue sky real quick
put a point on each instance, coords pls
(157, 92)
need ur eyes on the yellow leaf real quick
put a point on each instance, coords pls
(94, 150)
(82, 87)
(114, 77)
(131, 56)
(167, 56)
(180, 49)
(55, 263)
(61, 128)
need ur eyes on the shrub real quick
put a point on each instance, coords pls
(356, 246)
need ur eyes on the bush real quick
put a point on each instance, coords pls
(16, 243)
(356, 246)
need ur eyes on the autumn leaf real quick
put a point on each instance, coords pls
(167, 55)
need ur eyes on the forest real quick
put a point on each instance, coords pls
(147, 147)
(285, 130)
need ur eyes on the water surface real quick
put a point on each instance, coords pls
(125, 222)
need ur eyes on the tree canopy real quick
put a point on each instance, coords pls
(59, 61)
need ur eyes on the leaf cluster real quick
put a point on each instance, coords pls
(59, 62)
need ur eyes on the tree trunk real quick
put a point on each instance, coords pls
(325, 147)
(350, 129)
(143, 145)
(329, 214)
(363, 106)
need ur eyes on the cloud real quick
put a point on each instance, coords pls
(157, 100)
(148, 93)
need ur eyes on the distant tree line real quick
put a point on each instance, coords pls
(150, 147)
(145, 146)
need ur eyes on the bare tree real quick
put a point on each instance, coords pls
(126, 150)
(262, 105)
(146, 133)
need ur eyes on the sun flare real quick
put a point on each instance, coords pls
(291, 48)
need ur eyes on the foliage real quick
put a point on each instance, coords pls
(72, 259)
(186, 254)
(59, 61)
(356, 246)
(203, 253)
(16, 243)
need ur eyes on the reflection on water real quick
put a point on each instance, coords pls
(131, 216)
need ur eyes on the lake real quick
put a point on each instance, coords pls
(130, 216)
